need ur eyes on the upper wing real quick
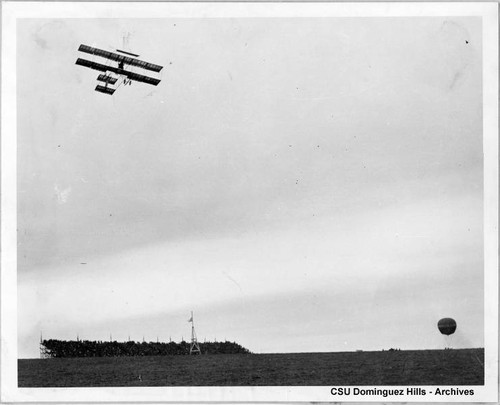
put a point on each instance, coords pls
(120, 58)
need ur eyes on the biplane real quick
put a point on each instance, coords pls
(117, 68)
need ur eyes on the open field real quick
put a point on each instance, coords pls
(419, 367)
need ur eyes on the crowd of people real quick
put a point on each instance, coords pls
(87, 348)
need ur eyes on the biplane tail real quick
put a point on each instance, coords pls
(105, 89)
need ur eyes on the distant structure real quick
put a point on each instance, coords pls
(194, 348)
(43, 349)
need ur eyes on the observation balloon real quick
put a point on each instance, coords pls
(447, 326)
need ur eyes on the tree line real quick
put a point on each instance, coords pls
(88, 348)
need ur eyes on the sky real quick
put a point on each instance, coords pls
(301, 184)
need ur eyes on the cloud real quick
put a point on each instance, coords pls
(62, 195)
(49, 35)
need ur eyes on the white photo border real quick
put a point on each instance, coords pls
(11, 11)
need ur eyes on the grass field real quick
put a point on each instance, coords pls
(422, 367)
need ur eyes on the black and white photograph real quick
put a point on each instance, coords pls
(249, 202)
